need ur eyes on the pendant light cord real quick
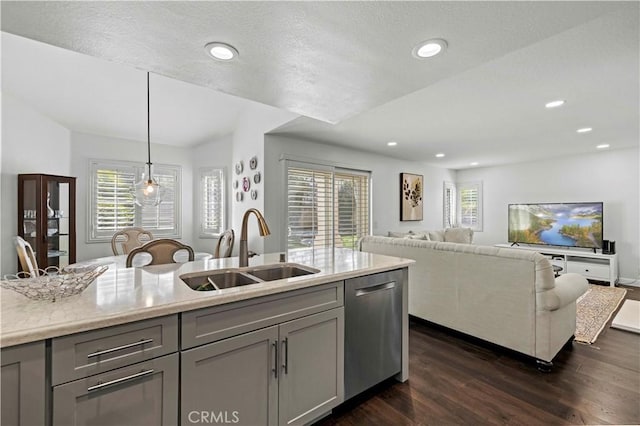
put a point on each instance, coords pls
(148, 129)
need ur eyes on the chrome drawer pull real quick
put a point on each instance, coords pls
(120, 380)
(373, 289)
(130, 345)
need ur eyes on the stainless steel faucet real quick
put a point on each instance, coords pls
(244, 246)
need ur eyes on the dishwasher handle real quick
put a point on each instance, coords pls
(375, 288)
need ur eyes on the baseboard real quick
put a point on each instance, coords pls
(629, 282)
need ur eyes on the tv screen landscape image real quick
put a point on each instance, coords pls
(557, 224)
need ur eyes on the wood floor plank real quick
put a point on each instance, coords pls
(456, 380)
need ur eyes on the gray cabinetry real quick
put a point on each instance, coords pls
(140, 394)
(212, 324)
(23, 385)
(286, 373)
(121, 375)
(233, 379)
(93, 352)
(312, 366)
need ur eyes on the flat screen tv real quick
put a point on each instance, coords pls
(556, 224)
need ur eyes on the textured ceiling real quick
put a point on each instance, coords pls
(350, 63)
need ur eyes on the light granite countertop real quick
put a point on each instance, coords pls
(121, 295)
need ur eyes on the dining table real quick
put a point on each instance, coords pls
(140, 260)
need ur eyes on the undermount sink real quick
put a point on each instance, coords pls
(281, 271)
(220, 279)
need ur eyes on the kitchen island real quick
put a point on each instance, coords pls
(282, 336)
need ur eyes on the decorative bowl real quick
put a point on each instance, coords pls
(52, 284)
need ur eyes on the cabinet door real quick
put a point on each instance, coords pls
(312, 366)
(59, 231)
(46, 217)
(23, 385)
(232, 381)
(140, 394)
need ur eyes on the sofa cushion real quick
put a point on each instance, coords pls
(458, 235)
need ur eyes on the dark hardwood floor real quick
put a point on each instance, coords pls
(455, 380)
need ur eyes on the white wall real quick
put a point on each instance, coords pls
(31, 143)
(218, 154)
(385, 175)
(86, 146)
(249, 141)
(608, 176)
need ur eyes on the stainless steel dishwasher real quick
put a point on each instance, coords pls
(373, 330)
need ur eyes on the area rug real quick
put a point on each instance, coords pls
(594, 309)
(628, 317)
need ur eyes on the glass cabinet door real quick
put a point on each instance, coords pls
(57, 224)
(29, 211)
(46, 218)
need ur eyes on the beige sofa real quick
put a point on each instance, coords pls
(505, 296)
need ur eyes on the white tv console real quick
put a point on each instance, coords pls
(594, 266)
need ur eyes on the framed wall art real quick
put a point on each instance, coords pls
(411, 190)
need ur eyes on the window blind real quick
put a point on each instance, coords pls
(115, 208)
(112, 206)
(212, 209)
(449, 205)
(352, 208)
(326, 207)
(470, 205)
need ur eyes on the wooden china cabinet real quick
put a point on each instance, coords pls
(47, 217)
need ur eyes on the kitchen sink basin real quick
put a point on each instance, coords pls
(280, 271)
(220, 279)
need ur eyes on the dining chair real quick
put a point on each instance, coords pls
(162, 251)
(27, 257)
(225, 244)
(129, 238)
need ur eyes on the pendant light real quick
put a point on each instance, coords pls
(147, 192)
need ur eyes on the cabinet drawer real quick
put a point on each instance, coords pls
(140, 394)
(212, 324)
(593, 270)
(92, 352)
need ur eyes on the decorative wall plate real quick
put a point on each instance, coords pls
(257, 177)
(246, 184)
(239, 196)
(239, 167)
(254, 194)
(253, 162)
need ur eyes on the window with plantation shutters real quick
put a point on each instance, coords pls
(449, 205)
(112, 207)
(352, 207)
(470, 205)
(212, 198)
(326, 207)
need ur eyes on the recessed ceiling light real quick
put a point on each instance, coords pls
(475, 163)
(221, 51)
(554, 104)
(429, 48)
(392, 143)
(584, 130)
(439, 155)
(603, 146)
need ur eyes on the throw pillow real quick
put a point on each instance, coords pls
(458, 235)
(399, 234)
(436, 235)
(418, 237)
